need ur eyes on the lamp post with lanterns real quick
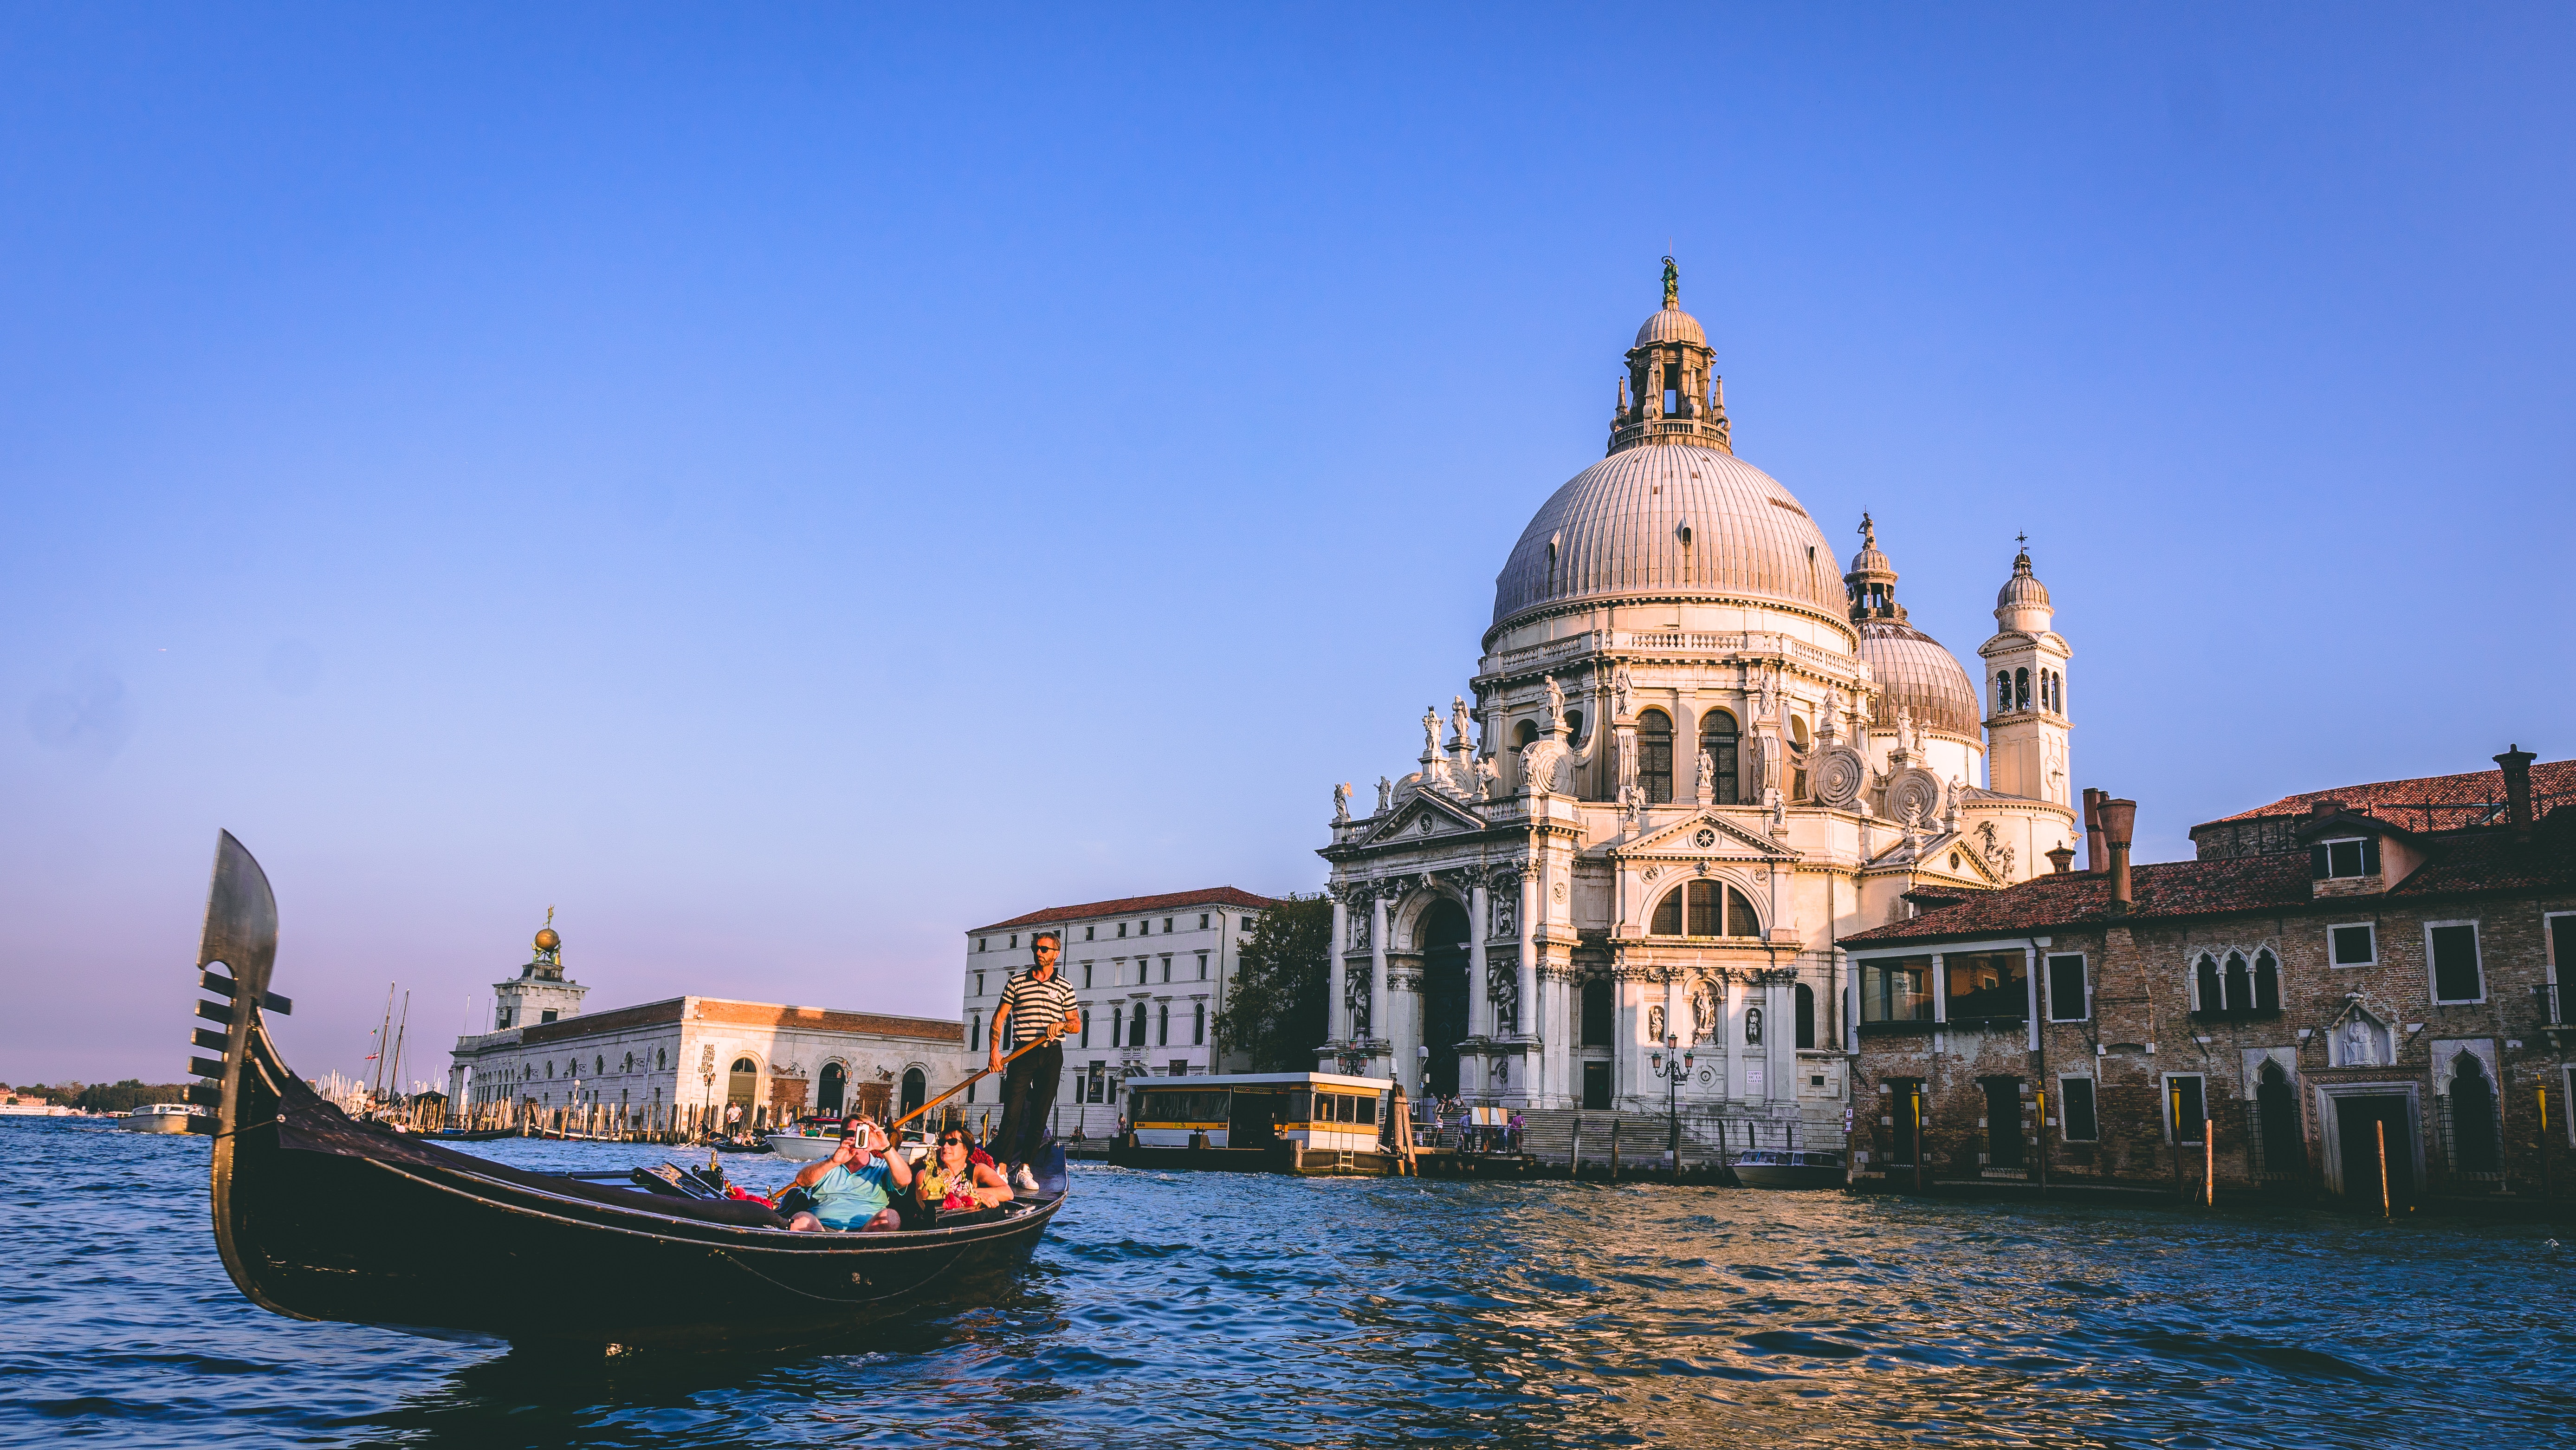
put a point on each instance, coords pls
(1674, 1066)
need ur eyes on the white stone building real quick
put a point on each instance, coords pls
(1150, 973)
(693, 1052)
(1695, 754)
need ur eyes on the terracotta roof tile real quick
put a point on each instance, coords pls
(1137, 906)
(2488, 859)
(2431, 802)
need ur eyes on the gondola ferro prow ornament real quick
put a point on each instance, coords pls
(241, 938)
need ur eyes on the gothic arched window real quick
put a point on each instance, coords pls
(2240, 984)
(1718, 737)
(1655, 756)
(2267, 983)
(2211, 996)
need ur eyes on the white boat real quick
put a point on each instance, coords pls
(804, 1147)
(161, 1118)
(36, 1110)
(1789, 1168)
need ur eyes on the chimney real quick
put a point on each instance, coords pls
(2517, 785)
(2118, 818)
(2096, 860)
(2060, 858)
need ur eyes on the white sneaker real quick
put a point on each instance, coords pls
(1023, 1180)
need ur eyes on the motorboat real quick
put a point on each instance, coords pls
(322, 1217)
(1789, 1168)
(809, 1140)
(160, 1118)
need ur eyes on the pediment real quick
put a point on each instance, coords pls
(1426, 815)
(1684, 839)
(1930, 859)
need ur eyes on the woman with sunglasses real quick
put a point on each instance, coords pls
(957, 1179)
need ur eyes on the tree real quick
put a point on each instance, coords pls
(1277, 1010)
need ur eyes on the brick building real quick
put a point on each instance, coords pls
(2338, 970)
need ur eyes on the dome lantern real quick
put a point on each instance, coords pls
(1680, 397)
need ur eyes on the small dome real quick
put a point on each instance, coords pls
(1915, 674)
(2023, 588)
(1671, 324)
(1869, 561)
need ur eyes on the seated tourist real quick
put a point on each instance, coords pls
(854, 1189)
(959, 1180)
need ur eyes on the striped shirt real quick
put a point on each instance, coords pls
(1034, 1006)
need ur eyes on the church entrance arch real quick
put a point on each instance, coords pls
(742, 1088)
(831, 1088)
(1443, 935)
(916, 1089)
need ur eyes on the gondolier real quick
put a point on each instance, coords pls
(1037, 1006)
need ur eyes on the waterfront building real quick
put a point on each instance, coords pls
(1693, 752)
(2381, 966)
(773, 1060)
(1150, 973)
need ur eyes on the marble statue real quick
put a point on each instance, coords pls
(1341, 803)
(1621, 688)
(1430, 733)
(1555, 704)
(1385, 795)
(1460, 722)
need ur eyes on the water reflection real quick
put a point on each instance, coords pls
(1207, 1309)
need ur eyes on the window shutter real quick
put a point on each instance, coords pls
(2317, 862)
(2370, 855)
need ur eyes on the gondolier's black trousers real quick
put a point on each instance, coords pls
(1028, 1092)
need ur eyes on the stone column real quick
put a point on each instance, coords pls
(1337, 1007)
(1730, 1028)
(1377, 965)
(1530, 1022)
(1480, 1003)
(1780, 1041)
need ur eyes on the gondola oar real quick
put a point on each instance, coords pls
(961, 1087)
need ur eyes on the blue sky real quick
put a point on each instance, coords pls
(783, 486)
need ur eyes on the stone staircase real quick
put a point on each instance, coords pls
(1550, 1136)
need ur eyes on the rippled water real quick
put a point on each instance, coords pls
(1208, 1309)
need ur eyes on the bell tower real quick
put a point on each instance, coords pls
(2025, 690)
(541, 992)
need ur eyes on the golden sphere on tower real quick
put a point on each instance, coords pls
(547, 940)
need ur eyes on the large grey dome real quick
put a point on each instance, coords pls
(1670, 519)
(1914, 673)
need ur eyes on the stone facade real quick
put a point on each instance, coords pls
(2364, 986)
(694, 1052)
(1691, 757)
(1150, 974)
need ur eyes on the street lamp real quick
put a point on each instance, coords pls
(1674, 1066)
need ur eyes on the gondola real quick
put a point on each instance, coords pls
(322, 1217)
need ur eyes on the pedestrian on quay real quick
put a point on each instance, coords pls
(1037, 1007)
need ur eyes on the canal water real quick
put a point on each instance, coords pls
(1187, 1309)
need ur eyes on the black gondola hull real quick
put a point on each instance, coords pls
(321, 1217)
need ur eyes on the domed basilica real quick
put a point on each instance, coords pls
(1693, 755)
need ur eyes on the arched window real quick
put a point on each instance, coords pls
(1718, 737)
(831, 1088)
(1117, 1022)
(1574, 728)
(1136, 1026)
(659, 1063)
(1655, 756)
(2206, 989)
(1694, 909)
(2240, 984)
(1524, 735)
(974, 1032)
(2003, 691)
(2021, 689)
(1198, 1025)
(916, 1088)
(1163, 1025)
(1798, 742)
(2267, 983)
(1806, 1017)
(2475, 1151)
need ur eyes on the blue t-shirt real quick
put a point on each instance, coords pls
(847, 1198)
